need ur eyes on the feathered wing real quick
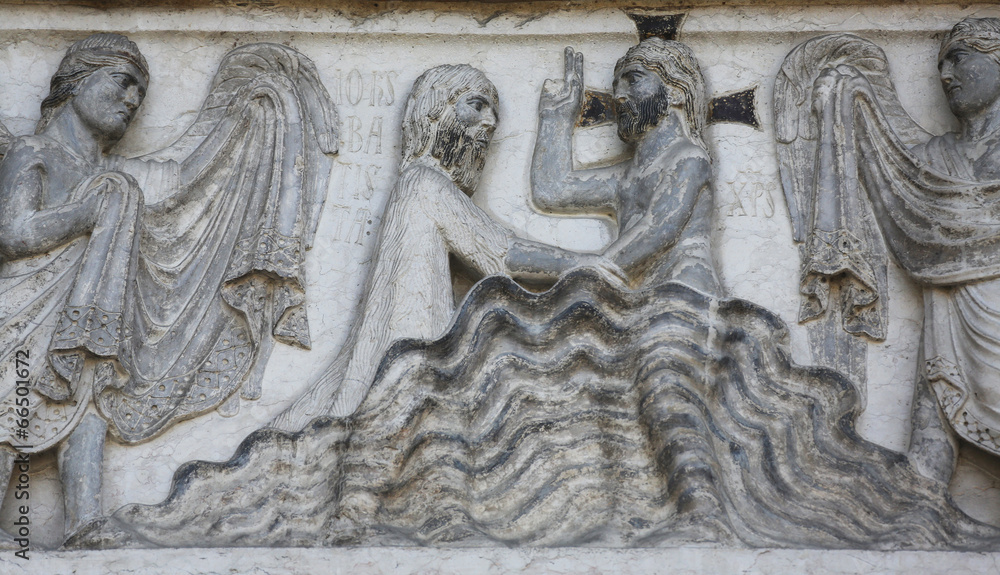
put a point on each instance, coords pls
(251, 66)
(795, 126)
(874, 192)
(821, 83)
(221, 250)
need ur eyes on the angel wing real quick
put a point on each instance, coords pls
(220, 274)
(251, 67)
(795, 127)
(819, 165)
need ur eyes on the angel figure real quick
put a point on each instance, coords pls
(127, 314)
(862, 180)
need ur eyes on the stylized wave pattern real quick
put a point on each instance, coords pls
(585, 415)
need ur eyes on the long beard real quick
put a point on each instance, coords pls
(462, 152)
(636, 118)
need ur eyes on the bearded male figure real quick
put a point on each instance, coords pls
(136, 293)
(448, 123)
(662, 196)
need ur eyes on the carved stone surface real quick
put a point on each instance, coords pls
(593, 413)
(602, 324)
(859, 172)
(529, 561)
(448, 123)
(662, 196)
(680, 423)
(150, 313)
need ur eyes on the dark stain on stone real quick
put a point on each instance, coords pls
(738, 107)
(598, 109)
(663, 26)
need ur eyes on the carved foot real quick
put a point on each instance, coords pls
(933, 455)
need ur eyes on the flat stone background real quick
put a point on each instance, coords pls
(423, 561)
(368, 64)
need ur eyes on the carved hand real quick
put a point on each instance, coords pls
(91, 206)
(565, 96)
(827, 79)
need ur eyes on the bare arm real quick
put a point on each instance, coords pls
(26, 230)
(677, 197)
(530, 260)
(555, 186)
(489, 248)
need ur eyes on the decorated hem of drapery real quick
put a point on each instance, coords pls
(839, 256)
(948, 384)
(863, 178)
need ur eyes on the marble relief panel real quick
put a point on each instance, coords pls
(531, 277)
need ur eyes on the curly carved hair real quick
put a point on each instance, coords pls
(677, 67)
(432, 93)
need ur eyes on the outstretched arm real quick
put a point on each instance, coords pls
(530, 260)
(555, 186)
(679, 195)
(489, 248)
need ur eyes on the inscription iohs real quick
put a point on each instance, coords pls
(365, 97)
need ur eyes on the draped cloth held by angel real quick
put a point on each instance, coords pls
(862, 180)
(169, 307)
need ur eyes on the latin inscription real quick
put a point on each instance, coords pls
(750, 197)
(367, 151)
(375, 88)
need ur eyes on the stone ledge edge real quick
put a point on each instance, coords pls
(446, 561)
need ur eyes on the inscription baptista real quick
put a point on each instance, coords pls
(358, 177)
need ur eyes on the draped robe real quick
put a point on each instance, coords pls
(409, 290)
(850, 166)
(167, 309)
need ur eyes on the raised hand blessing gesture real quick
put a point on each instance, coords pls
(564, 96)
